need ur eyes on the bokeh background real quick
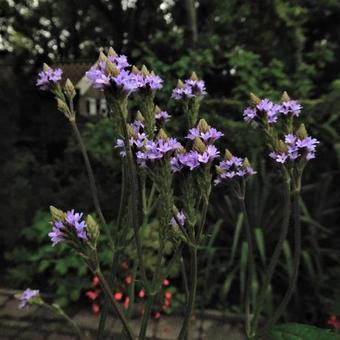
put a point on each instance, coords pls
(236, 46)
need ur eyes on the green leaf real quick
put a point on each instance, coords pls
(296, 331)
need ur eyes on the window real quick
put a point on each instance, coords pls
(91, 106)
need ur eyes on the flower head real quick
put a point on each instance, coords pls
(27, 297)
(111, 71)
(233, 167)
(295, 148)
(180, 218)
(48, 77)
(191, 88)
(72, 223)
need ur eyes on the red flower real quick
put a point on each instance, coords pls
(128, 279)
(126, 302)
(333, 322)
(118, 296)
(95, 308)
(95, 281)
(141, 293)
(92, 295)
(125, 265)
(166, 282)
(157, 315)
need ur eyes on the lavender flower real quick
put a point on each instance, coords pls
(233, 167)
(291, 107)
(180, 217)
(294, 148)
(72, 223)
(208, 136)
(26, 297)
(264, 108)
(162, 116)
(49, 77)
(110, 71)
(189, 89)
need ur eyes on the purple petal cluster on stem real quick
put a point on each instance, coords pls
(265, 108)
(191, 88)
(296, 148)
(72, 223)
(48, 77)
(27, 296)
(233, 167)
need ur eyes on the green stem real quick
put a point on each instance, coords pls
(121, 108)
(251, 267)
(116, 308)
(276, 254)
(183, 335)
(57, 309)
(115, 257)
(92, 181)
(296, 261)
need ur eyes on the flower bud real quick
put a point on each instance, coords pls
(56, 214)
(301, 133)
(157, 109)
(112, 52)
(227, 155)
(162, 135)
(180, 84)
(139, 116)
(254, 99)
(285, 97)
(145, 71)
(131, 132)
(193, 76)
(62, 107)
(45, 67)
(219, 170)
(246, 163)
(111, 68)
(69, 89)
(102, 56)
(180, 150)
(135, 70)
(199, 145)
(203, 126)
(92, 228)
(282, 147)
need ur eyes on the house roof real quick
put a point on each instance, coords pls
(74, 71)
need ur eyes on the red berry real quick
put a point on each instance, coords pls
(141, 293)
(91, 295)
(95, 308)
(118, 296)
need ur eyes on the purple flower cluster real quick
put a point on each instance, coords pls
(146, 149)
(101, 78)
(27, 296)
(209, 136)
(150, 81)
(162, 116)
(193, 158)
(180, 217)
(190, 89)
(72, 222)
(296, 148)
(232, 168)
(271, 111)
(156, 150)
(48, 77)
